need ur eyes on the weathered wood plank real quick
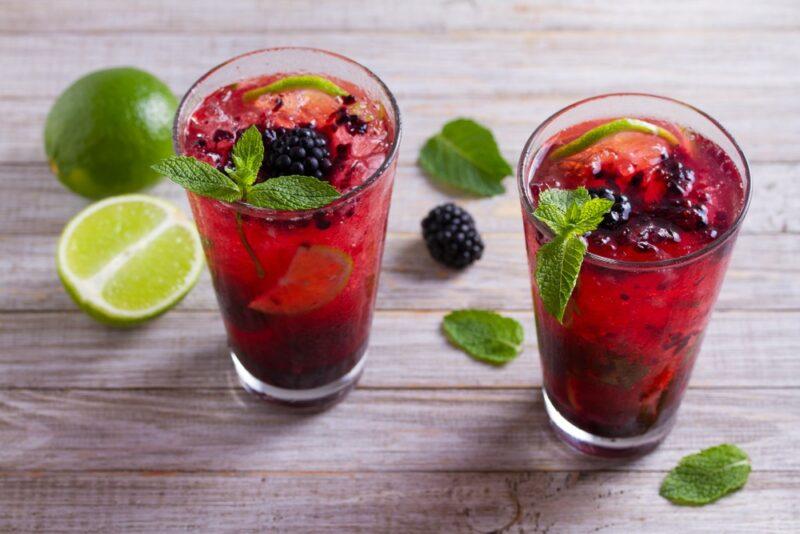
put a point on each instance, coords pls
(381, 502)
(446, 65)
(41, 205)
(388, 430)
(187, 350)
(418, 15)
(748, 114)
(763, 275)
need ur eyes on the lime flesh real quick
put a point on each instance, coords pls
(129, 258)
(597, 134)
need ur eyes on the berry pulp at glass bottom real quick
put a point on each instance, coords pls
(619, 363)
(296, 292)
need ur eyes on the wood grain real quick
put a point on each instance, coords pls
(444, 66)
(747, 114)
(151, 16)
(776, 201)
(381, 502)
(186, 350)
(147, 430)
(759, 277)
(387, 430)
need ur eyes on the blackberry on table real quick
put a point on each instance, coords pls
(451, 237)
(620, 211)
(301, 151)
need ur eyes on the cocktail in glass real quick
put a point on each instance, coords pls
(615, 370)
(296, 288)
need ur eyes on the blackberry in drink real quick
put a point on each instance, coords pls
(296, 288)
(615, 369)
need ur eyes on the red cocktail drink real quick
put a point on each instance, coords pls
(616, 368)
(296, 288)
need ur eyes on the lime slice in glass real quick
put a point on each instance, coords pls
(129, 258)
(316, 275)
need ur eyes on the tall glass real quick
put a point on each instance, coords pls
(615, 371)
(297, 289)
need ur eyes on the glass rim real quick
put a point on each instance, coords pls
(524, 190)
(389, 159)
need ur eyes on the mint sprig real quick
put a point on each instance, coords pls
(484, 335)
(247, 156)
(465, 156)
(292, 193)
(285, 193)
(707, 476)
(569, 214)
(198, 177)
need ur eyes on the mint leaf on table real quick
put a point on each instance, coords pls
(464, 155)
(247, 156)
(292, 193)
(706, 476)
(569, 214)
(484, 335)
(199, 177)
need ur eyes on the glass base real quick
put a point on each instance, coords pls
(591, 444)
(316, 398)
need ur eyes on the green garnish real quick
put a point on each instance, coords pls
(285, 193)
(302, 81)
(570, 214)
(464, 155)
(706, 476)
(595, 135)
(484, 335)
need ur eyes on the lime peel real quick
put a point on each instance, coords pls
(301, 81)
(88, 292)
(595, 135)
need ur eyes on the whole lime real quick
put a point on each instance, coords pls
(107, 129)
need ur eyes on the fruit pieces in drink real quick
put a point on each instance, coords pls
(619, 363)
(296, 290)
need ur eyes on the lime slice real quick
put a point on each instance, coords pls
(129, 258)
(595, 135)
(305, 81)
(316, 275)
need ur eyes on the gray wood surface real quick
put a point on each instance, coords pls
(104, 430)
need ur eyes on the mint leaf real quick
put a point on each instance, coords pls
(292, 193)
(198, 177)
(465, 155)
(706, 476)
(569, 214)
(591, 214)
(247, 156)
(557, 266)
(484, 335)
(564, 198)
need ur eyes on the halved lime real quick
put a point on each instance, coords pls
(129, 258)
(316, 275)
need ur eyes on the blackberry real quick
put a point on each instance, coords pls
(686, 214)
(679, 178)
(620, 211)
(296, 151)
(451, 236)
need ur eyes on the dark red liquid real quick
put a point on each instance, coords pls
(296, 291)
(619, 363)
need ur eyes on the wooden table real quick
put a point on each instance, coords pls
(146, 429)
